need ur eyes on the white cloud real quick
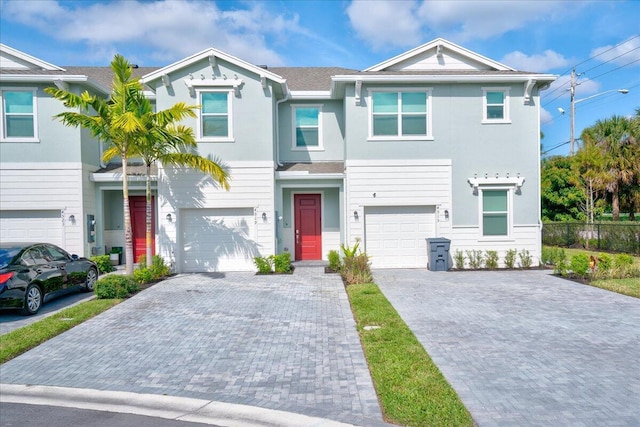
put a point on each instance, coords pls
(407, 23)
(386, 23)
(166, 30)
(622, 54)
(548, 60)
(545, 116)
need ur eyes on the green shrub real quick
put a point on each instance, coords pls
(158, 269)
(547, 256)
(103, 263)
(350, 252)
(510, 258)
(476, 259)
(580, 265)
(143, 275)
(491, 259)
(458, 259)
(605, 263)
(622, 260)
(115, 286)
(282, 262)
(334, 260)
(561, 267)
(525, 259)
(263, 264)
(356, 269)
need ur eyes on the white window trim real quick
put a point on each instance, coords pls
(509, 236)
(229, 138)
(427, 137)
(507, 116)
(35, 137)
(294, 139)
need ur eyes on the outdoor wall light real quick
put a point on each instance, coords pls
(446, 214)
(169, 217)
(264, 216)
(72, 218)
(355, 215)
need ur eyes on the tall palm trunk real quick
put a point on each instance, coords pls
(128, 234)
(148, 224)
(615, 202)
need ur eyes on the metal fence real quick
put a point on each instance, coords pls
(604, 236)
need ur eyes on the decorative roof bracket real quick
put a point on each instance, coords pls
(166, 81)
(358, 91)
(528, 88)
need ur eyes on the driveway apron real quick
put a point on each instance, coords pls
(524, 347)
(285, 342)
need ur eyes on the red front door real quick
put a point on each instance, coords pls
(138, 207)
(308, 228)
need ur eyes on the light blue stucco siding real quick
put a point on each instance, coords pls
(332, 132)
(459, 135)
(251, 112)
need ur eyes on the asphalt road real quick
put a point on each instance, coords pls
(19, 415)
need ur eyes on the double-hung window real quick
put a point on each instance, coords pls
(215, 116)
(496, 216)
(307, 132)
(495, 104)
(19, 121)
(400, 114)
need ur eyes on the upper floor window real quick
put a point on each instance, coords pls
(215, 116)
(495, 105)
(308, 127)
(19, 115)
(495, 212)
(400, 114)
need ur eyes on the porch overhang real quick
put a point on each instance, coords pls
(318, 170)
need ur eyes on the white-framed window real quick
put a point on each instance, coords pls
(403, 114)
(307, 127)
(215, 121)
(495, 105)
(19, 115)
(496, 212)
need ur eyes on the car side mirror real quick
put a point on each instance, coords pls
(75, 257)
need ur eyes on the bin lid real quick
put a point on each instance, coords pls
(438, 240)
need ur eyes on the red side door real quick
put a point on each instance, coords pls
(138, 207)
(308, 227)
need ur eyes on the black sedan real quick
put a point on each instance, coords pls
(31, 273)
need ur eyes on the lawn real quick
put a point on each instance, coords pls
(411, 389)
(14, 343)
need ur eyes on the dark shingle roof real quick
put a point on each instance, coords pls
(310, 78)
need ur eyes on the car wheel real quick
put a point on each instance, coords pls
(32, 300)
(92, 276)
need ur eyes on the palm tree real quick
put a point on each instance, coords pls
(116, 121)
(612, 136)
(170, 144)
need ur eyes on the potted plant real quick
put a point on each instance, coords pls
(115, 255)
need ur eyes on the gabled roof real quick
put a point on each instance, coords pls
(13, 59)
(439, 54)
(212, 55)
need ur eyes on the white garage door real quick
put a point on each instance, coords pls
(218, 240)
(395, 236)
(31, 226)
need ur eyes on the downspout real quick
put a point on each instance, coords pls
(287, 96)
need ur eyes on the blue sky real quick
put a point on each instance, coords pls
(600, 38)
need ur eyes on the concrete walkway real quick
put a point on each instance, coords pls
(285, 343)
(526, 348)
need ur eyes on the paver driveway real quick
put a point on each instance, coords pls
(524, 347)
(284, 342)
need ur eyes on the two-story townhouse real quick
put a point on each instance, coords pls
(436, 142)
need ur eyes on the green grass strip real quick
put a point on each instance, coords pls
(411, 389)
(16, 342)
(629, 287)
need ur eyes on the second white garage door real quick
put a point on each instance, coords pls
(218, 240)
(31, 226)
(395, 236)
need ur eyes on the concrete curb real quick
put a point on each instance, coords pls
(159, 406)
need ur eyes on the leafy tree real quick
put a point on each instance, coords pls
(590, 175)
(171, 144)
(116, 121)
(561, 199)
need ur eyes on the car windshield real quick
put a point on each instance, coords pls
(7, 254)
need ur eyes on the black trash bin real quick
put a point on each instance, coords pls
(438, 248)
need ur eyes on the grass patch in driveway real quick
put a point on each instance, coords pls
(411, 389)
(14, 343)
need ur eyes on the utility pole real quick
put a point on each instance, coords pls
(573, 109)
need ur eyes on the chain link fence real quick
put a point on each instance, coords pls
(604, 236)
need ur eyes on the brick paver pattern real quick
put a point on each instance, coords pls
(285, 342)
(526, 348)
